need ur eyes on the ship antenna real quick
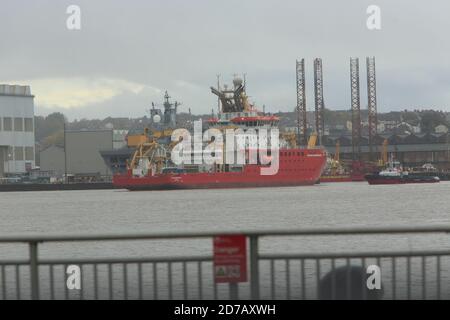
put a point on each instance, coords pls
(245, 83)
(218, 98)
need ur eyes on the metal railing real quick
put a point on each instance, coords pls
(406, 274)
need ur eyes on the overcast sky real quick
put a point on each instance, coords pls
(128, 53)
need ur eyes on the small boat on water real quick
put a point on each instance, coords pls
(429, 170)
(394, 174)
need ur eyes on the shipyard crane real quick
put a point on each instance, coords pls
(336, 161)
(372, 102)
(312, 140)
(384, 153)
(356, 109)
(319, 101)
(337, 154)
(301, 103)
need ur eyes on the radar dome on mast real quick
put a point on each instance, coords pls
(237, 82)
(156, 118)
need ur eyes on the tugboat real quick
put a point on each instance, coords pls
(429, 170)
(152, 168)
(394, 174)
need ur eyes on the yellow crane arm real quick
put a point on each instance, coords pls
(312, 140)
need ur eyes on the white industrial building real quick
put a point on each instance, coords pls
(16, 129)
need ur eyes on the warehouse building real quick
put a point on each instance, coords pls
(82, 158)
(52, 161)
(16, 130)
(83, 152)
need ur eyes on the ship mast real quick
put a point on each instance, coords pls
(218, 98)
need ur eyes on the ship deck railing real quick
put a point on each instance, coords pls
(405, 273)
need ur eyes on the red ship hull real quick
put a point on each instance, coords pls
(297, 167)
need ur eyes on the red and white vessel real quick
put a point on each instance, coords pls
(152, 169)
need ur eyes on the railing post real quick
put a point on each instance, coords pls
(254, 268)
(34, 273)
(234, 291)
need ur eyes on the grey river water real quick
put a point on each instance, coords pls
(324, 205)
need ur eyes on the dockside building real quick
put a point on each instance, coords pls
(17, 140)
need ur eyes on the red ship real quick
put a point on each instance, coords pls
(152, 169)
(297, 167)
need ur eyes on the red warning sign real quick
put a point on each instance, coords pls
(230, 258)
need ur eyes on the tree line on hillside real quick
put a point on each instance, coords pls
(50, 129)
